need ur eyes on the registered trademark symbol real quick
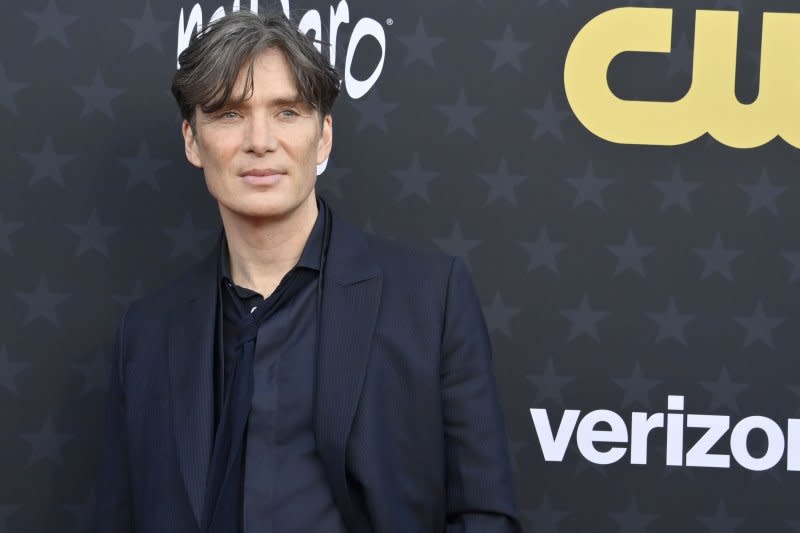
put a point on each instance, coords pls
(390, 22)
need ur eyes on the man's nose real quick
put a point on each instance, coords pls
(260, 137)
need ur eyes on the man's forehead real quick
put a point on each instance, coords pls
(271, 61)
(277, 79)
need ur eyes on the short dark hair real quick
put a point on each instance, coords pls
(211, 63)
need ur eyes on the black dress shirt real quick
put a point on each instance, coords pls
(285, 489)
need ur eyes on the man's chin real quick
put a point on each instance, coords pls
(264, 207)
(259, 212)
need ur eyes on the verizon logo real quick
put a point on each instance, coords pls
(604, 437)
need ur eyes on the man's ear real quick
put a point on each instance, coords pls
(325, 140)
(190, 144)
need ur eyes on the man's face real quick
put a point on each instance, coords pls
(259, 157)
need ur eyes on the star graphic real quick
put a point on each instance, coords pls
(763, 195)
(97, 96)
(629, 255)
(680, 58)
(46, 443)
(7, 90)
(759, 326)
(372, 111)
(146, 30)
(47, 163)
(331, 180)
(792, 257)
(589, 187)
(127, 299)
(187, 238)
(502, 184)
(717, 259)
(507, 50)
(142, 168)
(420, 46)
(637, 388)
(548, 119)
(7, 229)
(548, 384)
(9, 370)
(583, 321)
(92, 235)
(6, 511)
(723, 392)
(415, 180)
(42, 303)
(720, 521)
(543, 252)
(676, 191)
(671, 323)
(461, 115)
(631, 520)
(544, 517)
(456, 244)
(50, 23)
(95, 371)
(498, 316)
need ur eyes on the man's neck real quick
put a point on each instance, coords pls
(262, 250)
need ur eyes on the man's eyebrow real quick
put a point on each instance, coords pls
(294, 99)
(287, 100)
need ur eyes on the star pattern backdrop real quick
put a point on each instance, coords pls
(611, 275)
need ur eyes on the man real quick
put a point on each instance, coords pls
(305, 377)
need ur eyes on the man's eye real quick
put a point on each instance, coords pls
(229, 115)
(288, 113)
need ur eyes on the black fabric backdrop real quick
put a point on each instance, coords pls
(612, 275)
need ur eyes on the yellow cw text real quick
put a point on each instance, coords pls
(710, 105)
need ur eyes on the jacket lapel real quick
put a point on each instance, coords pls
(191, 359)
(351, 297)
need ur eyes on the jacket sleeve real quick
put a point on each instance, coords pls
(113, 511)
(480, 488)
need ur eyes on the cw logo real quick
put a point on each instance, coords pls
(710, 105)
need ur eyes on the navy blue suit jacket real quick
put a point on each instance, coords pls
(406, 416)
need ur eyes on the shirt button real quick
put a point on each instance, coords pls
(253, 309)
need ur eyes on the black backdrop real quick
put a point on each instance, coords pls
(612, 275)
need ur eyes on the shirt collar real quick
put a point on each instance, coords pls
(310, 257)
